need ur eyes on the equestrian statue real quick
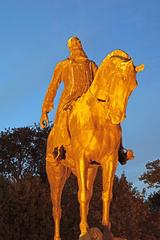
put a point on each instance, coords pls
(86, 133)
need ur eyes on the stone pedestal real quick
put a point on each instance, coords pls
(96, 234)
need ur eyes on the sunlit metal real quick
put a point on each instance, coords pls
(87, 133)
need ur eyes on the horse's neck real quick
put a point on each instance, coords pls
(99, 89)
(97, 107)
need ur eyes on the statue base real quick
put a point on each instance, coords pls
(96, 234)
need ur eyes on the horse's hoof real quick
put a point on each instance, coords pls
(57, 238)
(95, 233)
(118, 238)
(107, 235)
(85, 237)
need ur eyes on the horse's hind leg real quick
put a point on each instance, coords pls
(57, 176)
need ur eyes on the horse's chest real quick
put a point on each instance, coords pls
(104, 141)
(98, 144)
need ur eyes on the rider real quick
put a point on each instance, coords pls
(77, 72)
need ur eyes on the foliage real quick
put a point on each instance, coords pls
(128, 209)
(154, 201)
(152, 176)
(25, 210)
(25, 206)
(22, 151)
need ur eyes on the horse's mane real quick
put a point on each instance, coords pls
(106, 71)
(111, 72)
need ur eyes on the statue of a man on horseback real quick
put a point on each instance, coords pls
(87, 134)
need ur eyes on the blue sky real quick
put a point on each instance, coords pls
(33, 37)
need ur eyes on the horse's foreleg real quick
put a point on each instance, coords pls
(57, 176)
(81, 172)
(109, 168)
(92, 172)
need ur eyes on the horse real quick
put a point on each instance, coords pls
(95, 135)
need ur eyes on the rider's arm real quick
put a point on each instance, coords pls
(52, 89)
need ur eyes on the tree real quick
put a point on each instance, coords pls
(154, 202)
(25, 205)
(25, 209)
(22, 151)
(128, 210)
(152, 176)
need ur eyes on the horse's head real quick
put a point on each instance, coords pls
(116, 77)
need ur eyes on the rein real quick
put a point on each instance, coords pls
(100, 100)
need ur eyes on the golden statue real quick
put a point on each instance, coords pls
(86, 132)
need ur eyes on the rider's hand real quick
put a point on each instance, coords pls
(44, 120)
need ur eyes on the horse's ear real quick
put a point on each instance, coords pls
(139, 68)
